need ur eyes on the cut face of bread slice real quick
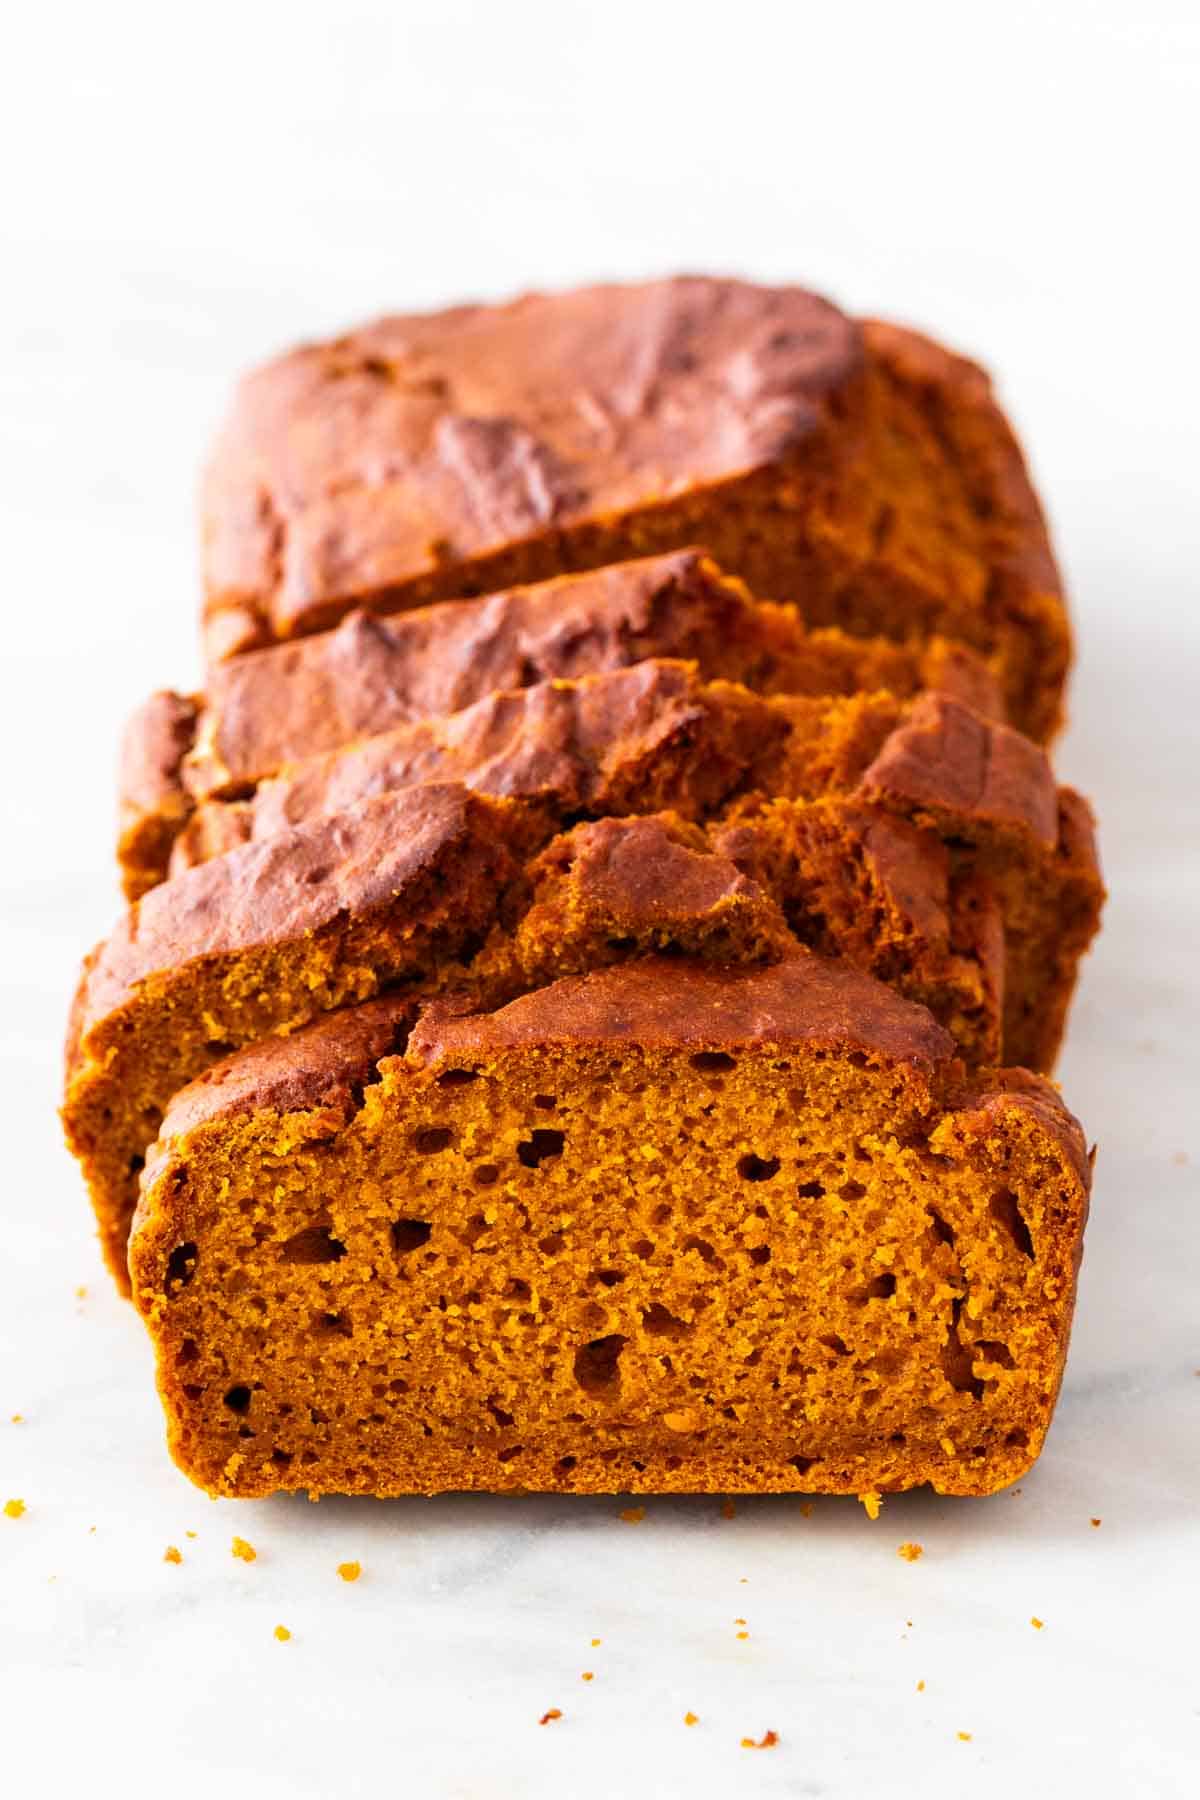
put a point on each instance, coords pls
(858, 472)
(268, 709)
(661, 1228)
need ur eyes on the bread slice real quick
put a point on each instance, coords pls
(883, 828)
(855, 470)
(663, 1228)
(266, 709)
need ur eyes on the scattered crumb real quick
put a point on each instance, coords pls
(555, 1712)
(81, 1293)
(18, 1418)
(728, 1509)
(172, 1555)
(742, 1634)
(908, 1622)
(633, 1515)
(282, 1633)
(244, 1551)
(91, 1529)
(1096, 1523)
(350, 1571)
(587, 1675)
(920, 1687)
(911, 1552)
(964, 1737)
(767, 1741)
(1038, 1624)
(806, 1509)
(739, 1621)
(873, 1502)
(190, 1534)
(691, 1718)
(13, 1509)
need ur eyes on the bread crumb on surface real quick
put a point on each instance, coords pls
(282, 1633)
(1095, 1522)
(743, 1634)
(728, 1509)
(1038, 1624)
(920, 1687)
(349, 1571)
(190, 1534)
(13, 1509)
(767, 1741)
(18, 1418)
(555, 1712)
(873, 1502)
(172, 1554)
(691, 1718)
(633, 1515)
(964, 1737)
(911, 1552)
(595, 1643)
(806, 1509)
(81, 1293)
(244, 1551)
(588, 1675)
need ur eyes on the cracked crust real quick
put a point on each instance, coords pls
(266, 709)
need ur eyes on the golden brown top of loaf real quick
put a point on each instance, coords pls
(353, 465)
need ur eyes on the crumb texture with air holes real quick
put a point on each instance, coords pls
(664, 1227)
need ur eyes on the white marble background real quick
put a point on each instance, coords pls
(186, 187)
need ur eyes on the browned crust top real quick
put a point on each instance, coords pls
(423, 438)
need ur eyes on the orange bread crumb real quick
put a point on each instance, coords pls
(964, 1737)
(172, 1555)
(13, 1509)
(554, 1712)
(1038, 1624)
(911, 1552)
(349, 1571)
(633, 1515)
(691, 1718)
(282, 1633)
(873, 1503)
(767, 1741)
(1095, 1522)
(244, 1551)
(588, 1675)
(920, 1687)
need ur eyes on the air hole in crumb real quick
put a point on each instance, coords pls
(507, 1455)
(758, 1168)
(659, 1322)
(802, 1464)
(237, 1399)
(811, 1190)
(942, 1232)
(880, 1287)
(485, 1174)
(643, 1248)
(332, 1324)
(517, 1289)
(552, 1244)
(502, 1418)
(852, 1190)
(315, 1244)
(1018, 1439)
(760, 1254)
(539, 1146)
(566, 1464)
(661, 1214)
(995, 1353)
(281, 1458)
(457, 1077)
(609, 1277)
(597, 1365)
(430, 1139)
(712, 1062)
(957, 1359)
(188, 1351)
(545, 1102)
(1006, 1212)
(410, 1234)
(833, 1342)
(702, 1247)
(181, 1266)
(136, 1164)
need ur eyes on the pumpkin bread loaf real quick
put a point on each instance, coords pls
(266, 709)
(855, 470)
(666, 1227)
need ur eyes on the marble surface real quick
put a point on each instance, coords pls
(189, 188)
